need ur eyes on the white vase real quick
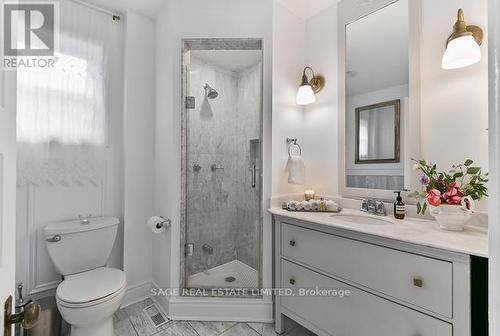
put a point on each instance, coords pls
(453, 217)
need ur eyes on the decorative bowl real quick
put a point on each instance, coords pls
(453, 217)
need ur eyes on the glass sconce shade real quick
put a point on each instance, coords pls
(461, 52)
(309, 88)
(462, 48)
(305, 95)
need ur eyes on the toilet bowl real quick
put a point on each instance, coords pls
(91, 292)
(88, 300)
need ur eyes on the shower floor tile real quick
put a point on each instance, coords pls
(245, 276)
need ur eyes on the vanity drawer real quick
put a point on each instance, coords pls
(359, 313)
(422, 281)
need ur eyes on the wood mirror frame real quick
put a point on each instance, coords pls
(397, 132)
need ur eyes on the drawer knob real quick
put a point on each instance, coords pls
(418, 282)
(292, 242)
(292, 281)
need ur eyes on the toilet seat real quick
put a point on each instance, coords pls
(91, 288)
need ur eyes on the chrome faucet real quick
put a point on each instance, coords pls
(373, 206)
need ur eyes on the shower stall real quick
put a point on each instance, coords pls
(221, 210)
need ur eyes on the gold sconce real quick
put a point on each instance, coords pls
(462, 47)
(309, 88)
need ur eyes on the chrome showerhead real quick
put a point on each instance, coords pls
(210, 92)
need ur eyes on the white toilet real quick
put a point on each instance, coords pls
(91, 292)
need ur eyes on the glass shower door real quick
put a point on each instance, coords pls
(222, 165)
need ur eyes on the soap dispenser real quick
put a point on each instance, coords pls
(399, 206)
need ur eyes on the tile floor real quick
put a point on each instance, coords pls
(133, 321)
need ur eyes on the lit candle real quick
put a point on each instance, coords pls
(309, 195)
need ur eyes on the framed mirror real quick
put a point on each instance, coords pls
(378, 133)
(379, 111)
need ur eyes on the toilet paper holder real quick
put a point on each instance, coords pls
(158, 224)
(165, 223)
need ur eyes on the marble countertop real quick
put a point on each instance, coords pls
(472, 241)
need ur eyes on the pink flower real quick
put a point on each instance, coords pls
(453, 195)
(450, 193)
(455, 200)
(434, 197)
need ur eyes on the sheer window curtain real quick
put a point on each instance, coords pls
(62, 117)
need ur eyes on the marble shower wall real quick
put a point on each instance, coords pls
(222, 208)
(249, 129)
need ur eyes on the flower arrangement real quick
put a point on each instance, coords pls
(463, 181)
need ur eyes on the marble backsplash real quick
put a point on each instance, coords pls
(223, 210)
(384, 182)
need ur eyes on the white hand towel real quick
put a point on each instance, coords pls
(296, 169)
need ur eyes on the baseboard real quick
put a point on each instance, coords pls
(182, 308)
(160, 300)
(137, 293)
(219, 309)
(40, 294)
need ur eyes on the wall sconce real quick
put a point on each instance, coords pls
(308, 88)
(462, 47)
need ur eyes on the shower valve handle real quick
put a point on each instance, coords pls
(214, 167)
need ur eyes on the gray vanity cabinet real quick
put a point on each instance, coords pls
(371, 285)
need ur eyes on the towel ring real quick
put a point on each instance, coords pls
(290, 148)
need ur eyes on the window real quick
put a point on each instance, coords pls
(64, 104)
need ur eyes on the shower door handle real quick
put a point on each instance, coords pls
(253, 170)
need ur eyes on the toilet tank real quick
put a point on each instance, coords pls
(80, 245)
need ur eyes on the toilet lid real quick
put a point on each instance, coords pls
(91, 285)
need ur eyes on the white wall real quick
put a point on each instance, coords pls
(197, 19)
(298, 42)
(166, 144)
(454, 102)
(139, 153)
(321, 118)
(289, 36)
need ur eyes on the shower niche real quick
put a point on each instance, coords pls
(221, 210)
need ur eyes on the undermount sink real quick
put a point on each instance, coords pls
(360, 219)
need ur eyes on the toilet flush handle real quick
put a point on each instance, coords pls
(54, 239)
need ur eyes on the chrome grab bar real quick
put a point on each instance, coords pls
(54, 239)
